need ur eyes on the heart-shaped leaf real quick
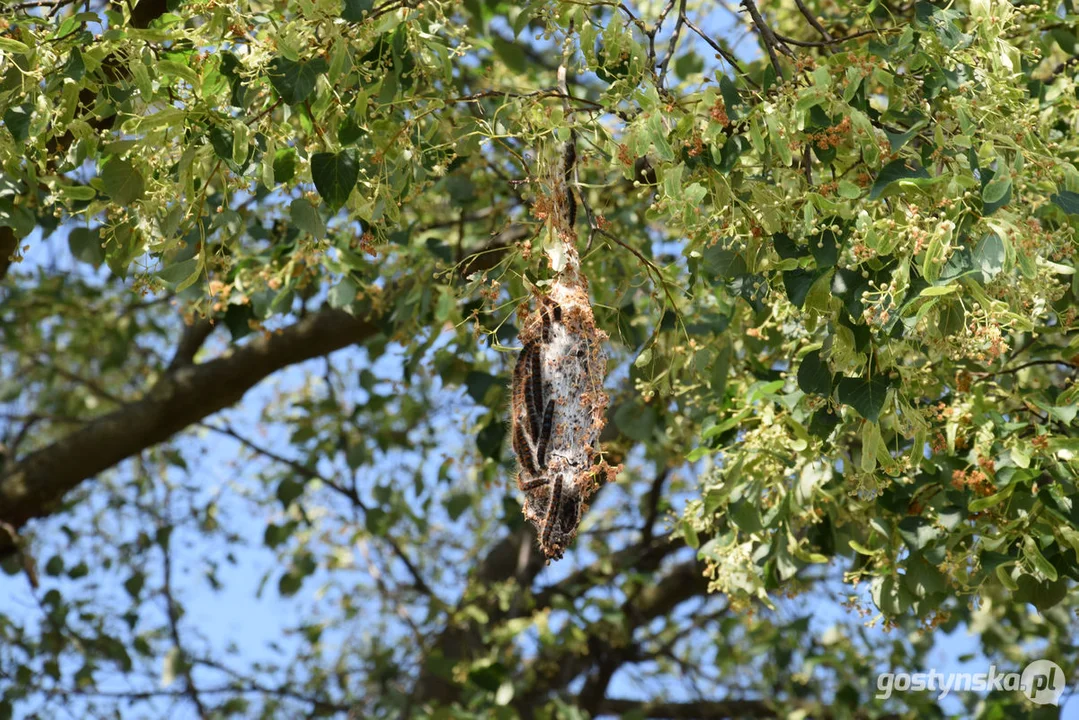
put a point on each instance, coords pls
(122, 181)
(814, 375)
(335, 174)
(866, 395)
(294, 81)
(893, 172)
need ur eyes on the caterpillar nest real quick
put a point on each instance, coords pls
(559, 409)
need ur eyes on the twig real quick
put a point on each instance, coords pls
(834, 41)
(768, 38)
(808, 15)
(88, 384)
(314, 122)
(663, 66)
(656, 28)
(353, 497)
(654, 493)
(650, 267)
(1024, 366)
(173, 612)
(54, 4)
(731, 60)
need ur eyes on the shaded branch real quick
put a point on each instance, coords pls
(191, 341)
(34, 486)
(9, 245)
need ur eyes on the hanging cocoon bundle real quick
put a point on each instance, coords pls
(559, 406)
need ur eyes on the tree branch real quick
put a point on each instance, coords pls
(192, 339)
(768, 38)
(34, 486)
(674, 41)
(9, 244)
(809, 16)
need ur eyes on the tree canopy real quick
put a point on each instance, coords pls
(262, 272)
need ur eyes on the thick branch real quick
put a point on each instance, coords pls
(605, 655)
(191, 341)
(34, 486)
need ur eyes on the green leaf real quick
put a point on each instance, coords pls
(690, 534)
(918, 532)
(787, 248)
(798, 283)
(294, 81)
(984, 503)
(288, 490)
(122, 181)
(17, 119)
(284, 165)
(731, 98)
(356, 10)
(510, 53)
(636, 420)
(996, 191)
(943, 23)
(478, 383)
(306, 217)
(938, 290)
(990, 255)
(658, 135)
(182, 274)
(85, 245)
(289, 584)
(814, 375)
(134, 584)
(866, 395)
(689, 64)
(349, 131)
(893, 172)
(1042, 595)
(722, 264)
(1033, 554)
(644, 359)
(825, 248)
(335, 174)
(74, 68)
(923, 579)
(343, 294)
(457, 503)
(54, 566)
(1067, 201)
(490, 439)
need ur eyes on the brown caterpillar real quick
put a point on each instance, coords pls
(554, 505)
(545, 435)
